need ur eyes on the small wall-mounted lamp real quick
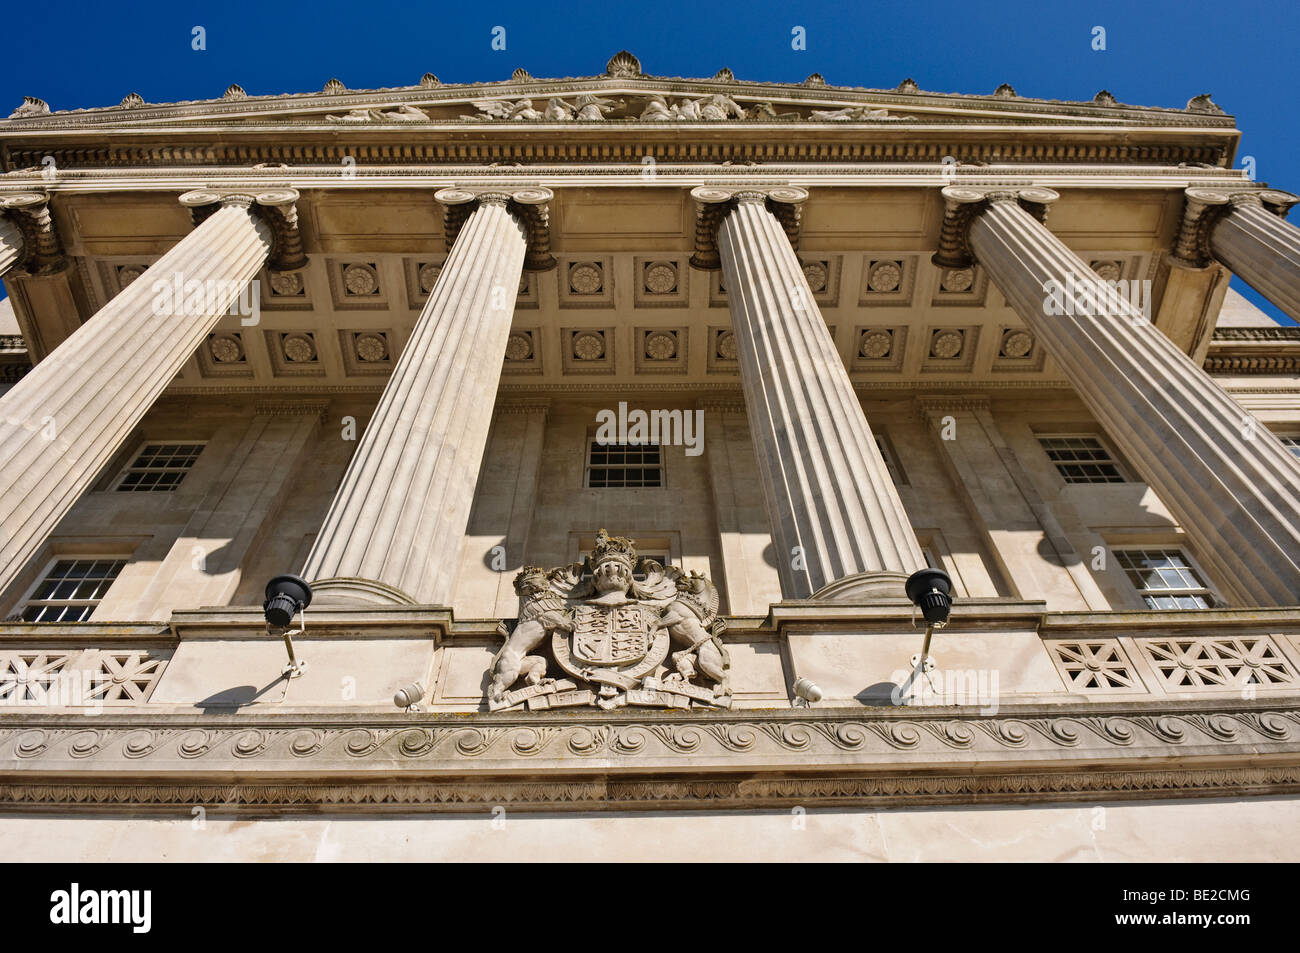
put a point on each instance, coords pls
(286, 596)
(805, 693)
(930, 591)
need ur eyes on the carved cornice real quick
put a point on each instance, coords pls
(963, 203)
(276, 206)
(1280, 333)
(1253, 365)
(42, 247)
(623, 75)
(530, 206)
(524, 405)
(561, 761)
(1204, 208)
(928, 407)
(292, 408)
(713, 203)
(873, 145)
(732, 404)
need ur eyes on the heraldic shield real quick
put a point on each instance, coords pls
(613, 647)
(617, 636)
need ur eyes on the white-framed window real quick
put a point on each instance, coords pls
(1082, 458)
(1166, 578)
(624, 465)
(70, 589)
(891, 464)
(158, 467)
(1291, 441)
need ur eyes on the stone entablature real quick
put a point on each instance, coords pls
(563, 762)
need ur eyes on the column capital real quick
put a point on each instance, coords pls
(713, 203)
(1202, 210)
(42, 248)
(530, 206)
(276, 206)
(963, 203)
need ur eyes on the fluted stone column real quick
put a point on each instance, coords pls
(62, 423)
(11, 244)
(394, 532)
(837, 521)
(1233, 486)
(1246, 232)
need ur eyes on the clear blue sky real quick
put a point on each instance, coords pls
(1159, 52)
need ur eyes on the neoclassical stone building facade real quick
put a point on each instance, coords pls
(607, 417)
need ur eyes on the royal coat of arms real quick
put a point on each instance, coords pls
(613, 639)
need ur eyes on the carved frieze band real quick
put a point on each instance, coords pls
(1146, 744)
(42, 248)
(440, 741)
(713, 203)
(962, 203)
(530, 206)
(587, 794)
(1203, 208)
(277, 207)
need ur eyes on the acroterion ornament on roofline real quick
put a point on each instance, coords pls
(592, 634)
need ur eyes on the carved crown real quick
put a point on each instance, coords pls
(618, 548)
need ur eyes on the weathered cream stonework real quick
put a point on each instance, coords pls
(843, 343)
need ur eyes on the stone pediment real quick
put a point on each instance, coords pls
(623, 95)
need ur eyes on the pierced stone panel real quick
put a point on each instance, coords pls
(661, 282)
(879, 348)
(1218, 664)
(367, 352)
(887, 281)
(32, 678)
(1095, 665)
(224, 354)
(961, 287)
(125, 676)
(523, 351)
(661, 350)
(294, 353)
(79, 678)
(586, 282)
(588, 350)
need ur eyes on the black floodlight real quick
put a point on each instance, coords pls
(931, 591)
(286, 596)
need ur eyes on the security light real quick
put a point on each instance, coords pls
(931, 591)
(286, 596)
(805, 693)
